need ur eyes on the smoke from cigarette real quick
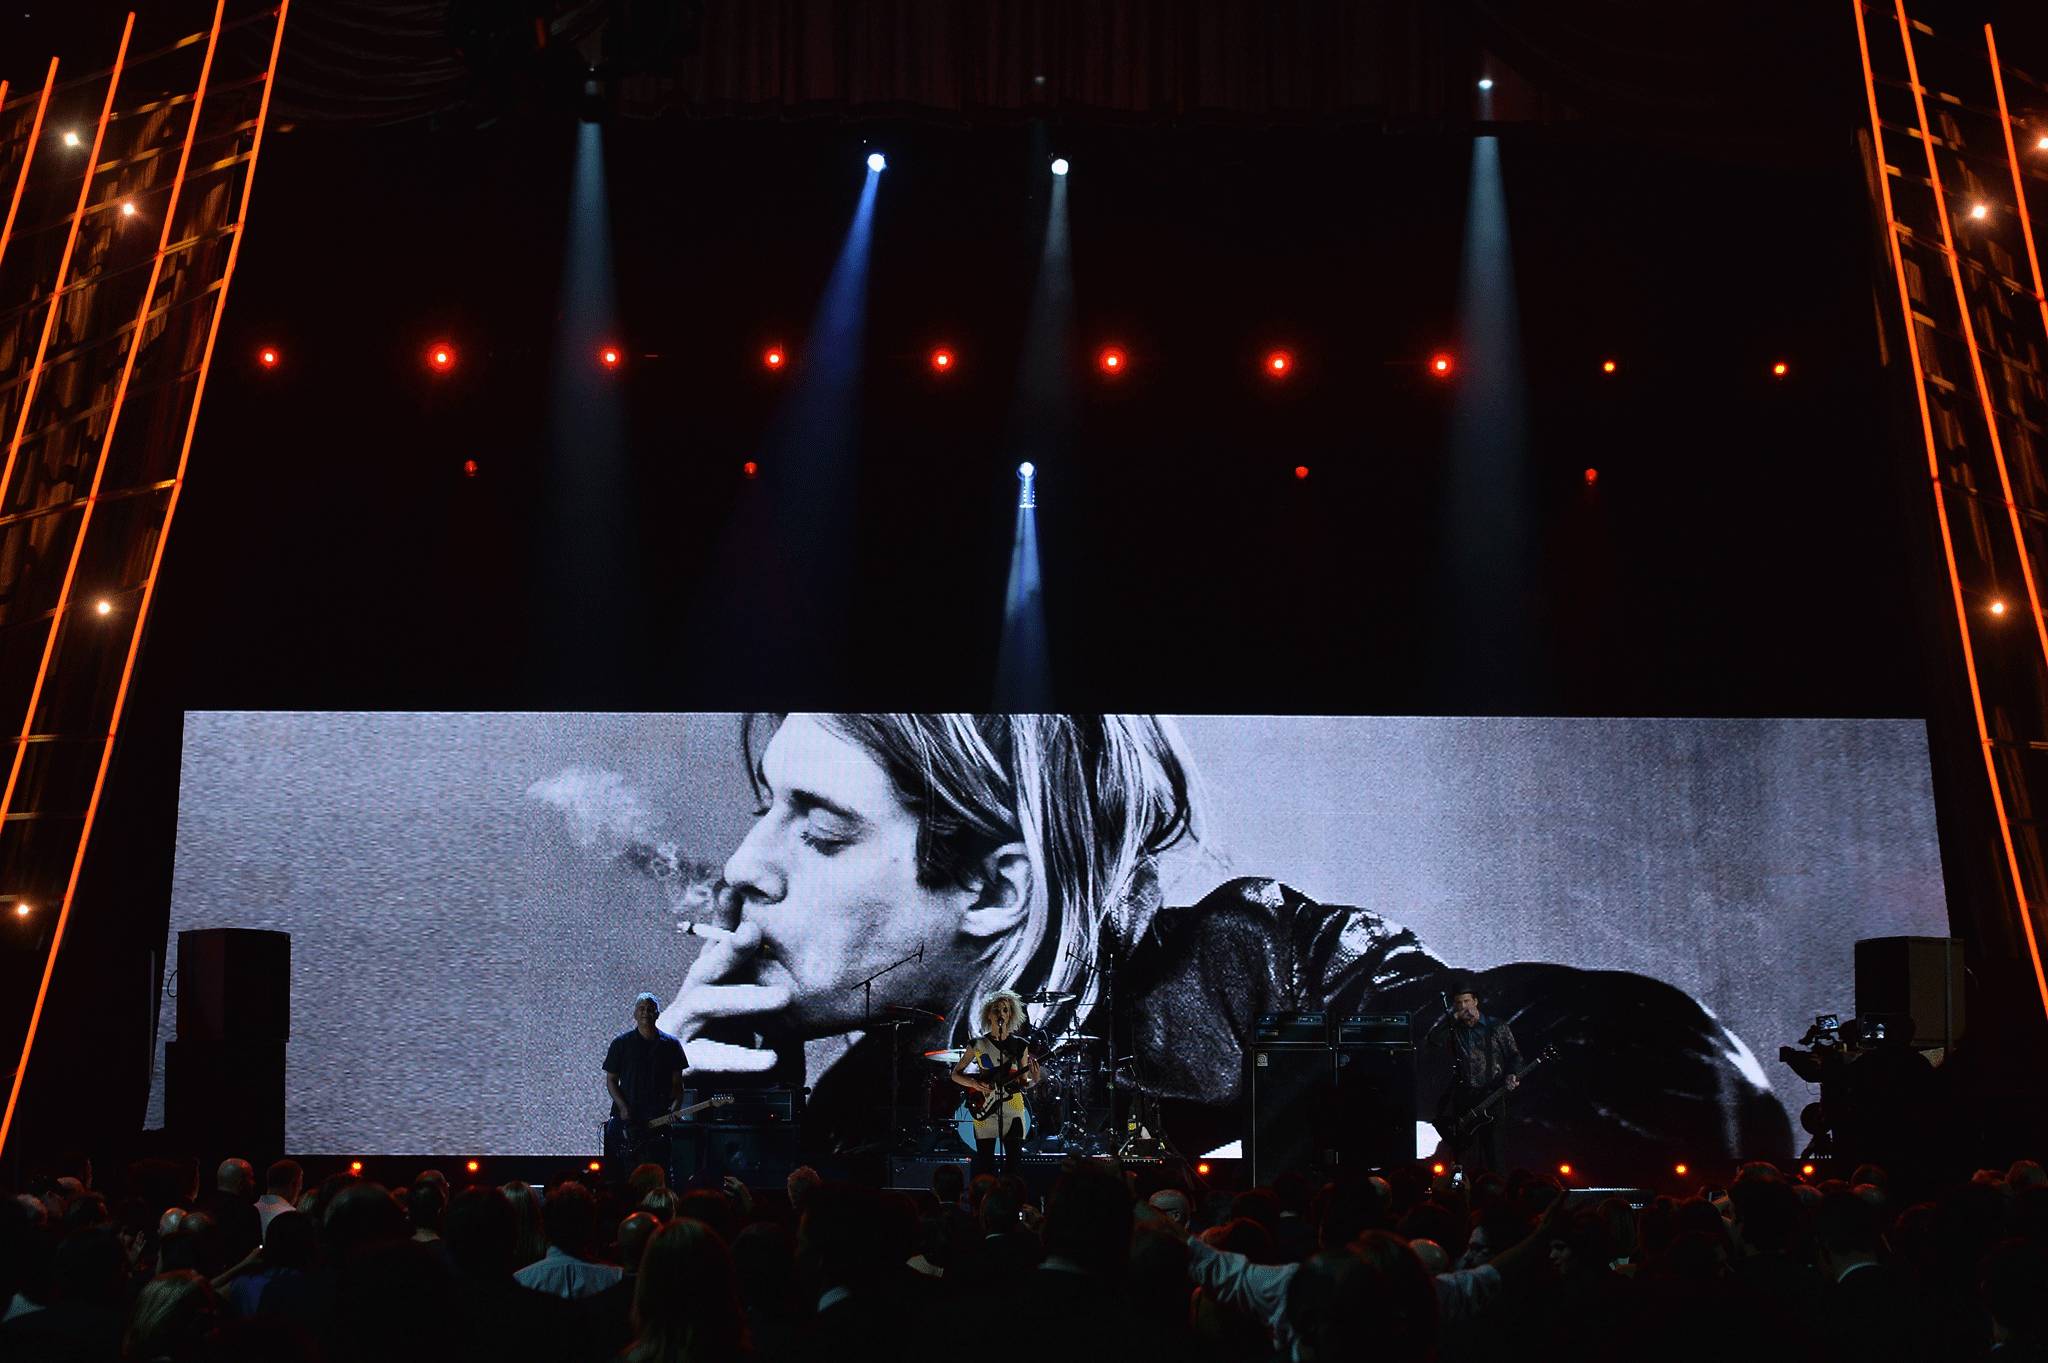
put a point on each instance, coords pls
(603, 814)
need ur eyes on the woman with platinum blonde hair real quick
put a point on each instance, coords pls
(967, 853)
(998, 1056)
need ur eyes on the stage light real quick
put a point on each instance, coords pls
(1441, 364)
(750, 468)
(941, 360)
(1780, 370)
(773, 357)
(1300, 472)
(1027, 470)
(472, 1166)
(441, 356)
(1979, 212)
(470, 468)
(597, 1166)
(1607, 366)
(1998, 608)
(128, 209)
(71, 138)
(1486, 82)
(877, 162)
(1059, 165)
(1564, 1170)
(1110, 360)
(2041, 145)
(1278, 363)
(1807, 1171)
(103, 607)
(1438, 1170)
(1592, 477)
(355, 1166)
(22, 910)
(1203, 1168)
(610, 357)
(267, 357)
(1681, 1169)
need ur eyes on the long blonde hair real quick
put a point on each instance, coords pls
(1094, 799)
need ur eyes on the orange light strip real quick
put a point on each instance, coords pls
(1948, 548)
(35, 136)
(1955, 274)
(156, 559)
(35, 373)
(2019, 190)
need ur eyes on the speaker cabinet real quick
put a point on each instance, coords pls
(1376, 1108)
(1293, 1090)
(234, 985)
(1917, 977)
(226, 1096)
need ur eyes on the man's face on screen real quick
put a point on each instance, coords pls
(829, 873)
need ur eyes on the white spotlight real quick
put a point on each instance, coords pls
(128, 210)
(71, 138)
(1486, 82)
(877, 162)
(1027, 470)
(1979, 212)
(1059, 165)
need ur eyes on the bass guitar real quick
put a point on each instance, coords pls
(623, 1138)
(1457, 1129)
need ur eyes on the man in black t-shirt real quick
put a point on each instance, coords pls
(643, 1067)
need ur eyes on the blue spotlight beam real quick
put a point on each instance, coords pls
(1486, 539)
(587, 539)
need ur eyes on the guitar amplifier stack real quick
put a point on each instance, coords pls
(1330, 1093)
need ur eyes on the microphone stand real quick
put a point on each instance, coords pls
(867, 1023)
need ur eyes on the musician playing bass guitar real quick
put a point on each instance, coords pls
(643, 1071)
(1483, 1057)
(998, 1063)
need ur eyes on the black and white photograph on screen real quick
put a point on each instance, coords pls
(821, 903)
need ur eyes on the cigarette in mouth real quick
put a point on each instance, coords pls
(707, 931)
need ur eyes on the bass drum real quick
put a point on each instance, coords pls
(963, 1123)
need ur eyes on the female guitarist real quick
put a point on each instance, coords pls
(998, 1066)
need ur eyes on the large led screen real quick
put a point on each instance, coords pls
(474, 901)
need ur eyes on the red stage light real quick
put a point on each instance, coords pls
(774, 357)
(1592, 477)
(1279, 363)
(597, 1166)
(1780, 369)
(1681, 1169)
(750, 468)
(355, 1166)
(942, 359)
(472, 1166)
(1441, 364)
(1807, 1171)
(610, 357)
(1564, 1170)
(1300, 471)
(441, 356)
(1607, 366)
(267, 357)
(1110, 360)
(1438, 1169)
(469, 468)
(1203, 1168)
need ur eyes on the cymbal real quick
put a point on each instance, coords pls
(950, 1056)
(1052, 996)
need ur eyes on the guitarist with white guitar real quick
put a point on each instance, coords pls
(997, 1067)
(1484, 1060)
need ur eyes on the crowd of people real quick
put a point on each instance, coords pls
(1410, 1267)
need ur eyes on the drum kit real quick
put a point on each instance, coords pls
(1067, 1112)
